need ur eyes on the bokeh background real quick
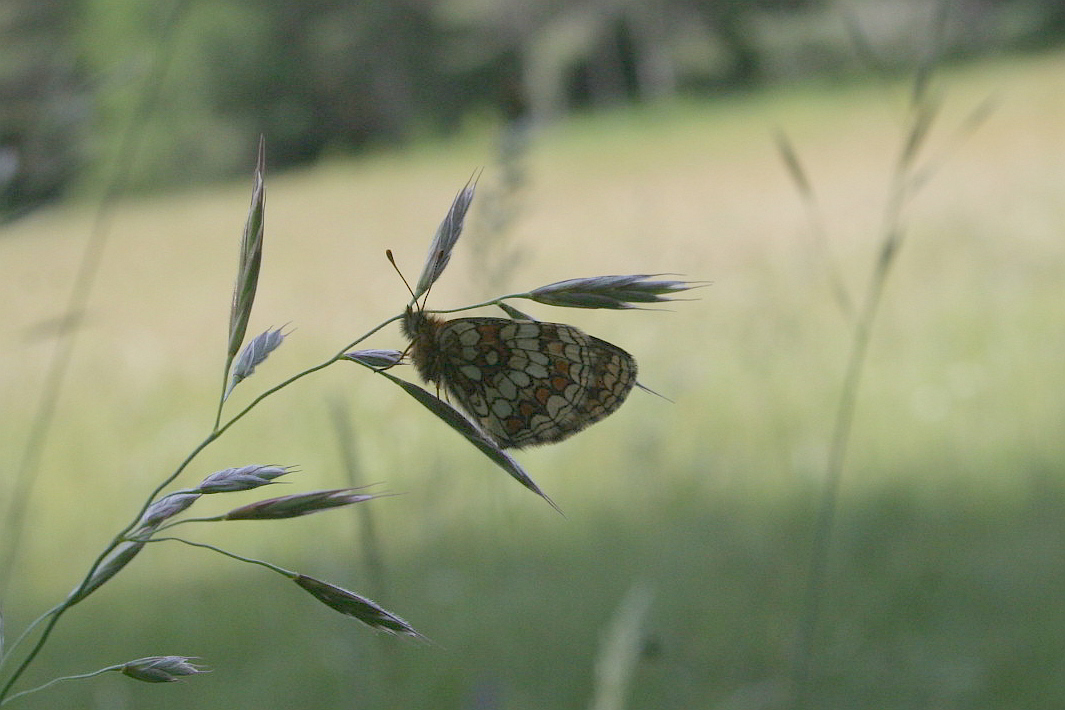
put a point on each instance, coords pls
(612, 137)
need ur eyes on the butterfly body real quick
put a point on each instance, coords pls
(523, 382)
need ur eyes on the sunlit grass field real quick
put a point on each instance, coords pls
(945, 577)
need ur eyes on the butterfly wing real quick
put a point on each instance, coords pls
(529, 383)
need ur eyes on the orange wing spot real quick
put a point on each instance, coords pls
(489, 334)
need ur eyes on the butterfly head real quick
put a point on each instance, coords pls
(420, 328)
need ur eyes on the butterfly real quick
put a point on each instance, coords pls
(523, 382)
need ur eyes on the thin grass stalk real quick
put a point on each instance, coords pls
(232, 555)
(77, 595)
(892, 236)
(906, 180)
(26, 472)
(56, 681)
(818, 230)
(118, 539)
(58, 611)
(369, 542)
(829, 502)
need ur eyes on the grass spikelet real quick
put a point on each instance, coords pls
(253, 354)
(447, 235)
(356, 606)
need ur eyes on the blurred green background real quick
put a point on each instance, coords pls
(945, 573)
(199, 81)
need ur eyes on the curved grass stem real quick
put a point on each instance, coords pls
(54, 681)
(122, 536)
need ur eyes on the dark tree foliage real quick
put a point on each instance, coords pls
(335, 76)
(42, 107)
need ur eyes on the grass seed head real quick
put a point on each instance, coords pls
(161, 669)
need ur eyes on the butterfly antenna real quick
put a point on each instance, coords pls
(392, 261)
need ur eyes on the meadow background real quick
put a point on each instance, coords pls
(945, 578)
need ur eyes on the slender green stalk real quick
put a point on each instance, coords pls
(26, 632)
(893, 232)
(492, 302)
(368, 543)
(908, 178)
(222, 396)
(818, 229)
(80, 676)
(24, 475)
(77, 595)
(240, 558)
(817, 575)
(185, 521)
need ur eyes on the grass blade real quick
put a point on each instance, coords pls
(457, 421)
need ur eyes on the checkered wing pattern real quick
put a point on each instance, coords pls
(524, 382)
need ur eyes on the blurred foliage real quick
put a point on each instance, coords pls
(43, 100)
(326, 76)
